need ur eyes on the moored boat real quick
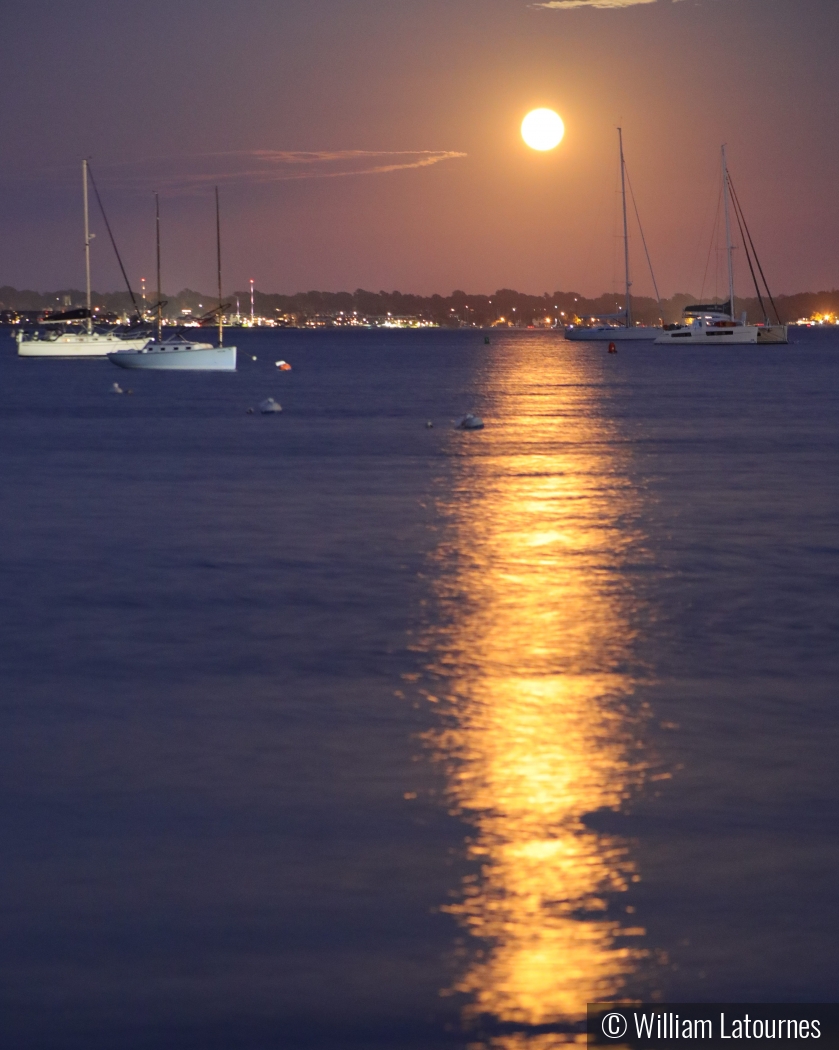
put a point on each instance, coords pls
(76, 344)
(714, 323)
(773, 333)
(626, 331)
(178, 354)
(60, 334)
(606, 333)
(709, 323)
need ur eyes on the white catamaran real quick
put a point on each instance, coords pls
(714, 324)
(60, 340)
(626, 331)
(176, 353)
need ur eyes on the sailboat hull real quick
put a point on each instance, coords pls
(81, 344)
(710, 336)
(182, 359)
(604, 334)
(773, 333)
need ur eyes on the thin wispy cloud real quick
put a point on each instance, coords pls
(197, 173)
(566, 5)
(190, 174)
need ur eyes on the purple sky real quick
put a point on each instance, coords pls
(409, 110)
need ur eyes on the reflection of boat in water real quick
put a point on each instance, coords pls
(177, 353)
(539, 726)
(714, 324)
(626, 331)
(59, 335)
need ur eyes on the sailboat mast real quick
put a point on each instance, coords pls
(218, 260)
(87, 246)
(628, 309)
(159, 292)
(728, 246)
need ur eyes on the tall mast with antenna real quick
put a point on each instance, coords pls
(628, 310)
(87, 246)
(159, 292)
(728, 246)
(218, 260)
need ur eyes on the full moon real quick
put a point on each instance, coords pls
(542, 129)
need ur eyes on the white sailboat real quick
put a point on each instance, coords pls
(176, 353)
(626, 331)
(55, 342)
(714, 324)
(74, 344)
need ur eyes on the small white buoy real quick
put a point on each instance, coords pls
(269, 405)
(253, 357)
(429, 425)
(470, 422)
(117, 389)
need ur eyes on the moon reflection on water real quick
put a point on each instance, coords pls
(534, 669)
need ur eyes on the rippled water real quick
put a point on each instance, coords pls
(331, 729)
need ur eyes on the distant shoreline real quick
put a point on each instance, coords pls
(505, 307)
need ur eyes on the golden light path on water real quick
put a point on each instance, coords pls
(535, 691)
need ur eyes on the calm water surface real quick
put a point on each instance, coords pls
(330, 729)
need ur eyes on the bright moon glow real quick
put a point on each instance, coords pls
(542, 129)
